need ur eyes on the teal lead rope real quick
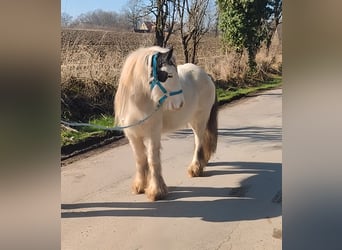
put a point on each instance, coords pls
(116, 128)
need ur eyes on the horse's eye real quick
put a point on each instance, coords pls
(162, 76)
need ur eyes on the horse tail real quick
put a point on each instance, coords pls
(210, 133)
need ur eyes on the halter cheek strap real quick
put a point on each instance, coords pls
(156, 82)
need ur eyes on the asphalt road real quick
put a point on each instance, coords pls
(236, 205)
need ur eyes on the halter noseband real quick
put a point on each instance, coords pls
(155, 82)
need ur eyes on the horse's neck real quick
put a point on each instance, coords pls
(140, 106)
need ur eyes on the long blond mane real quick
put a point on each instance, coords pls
(134, 78)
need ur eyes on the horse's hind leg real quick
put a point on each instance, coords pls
(198, 162)
(156, 188)
(204, 127)
(140, 180)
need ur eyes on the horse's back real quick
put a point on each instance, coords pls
(199, 97)
(197, 84)
(191, 74)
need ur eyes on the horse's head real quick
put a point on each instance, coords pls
(165, 87)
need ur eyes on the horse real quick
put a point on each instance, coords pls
(157, 96)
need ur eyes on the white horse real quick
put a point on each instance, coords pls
(165, 97)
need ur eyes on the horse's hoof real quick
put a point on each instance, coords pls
(195, 171)
(154, 194)
(138, 187)
(137, 190)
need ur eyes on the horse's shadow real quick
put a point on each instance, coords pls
(250, 134)
(257, 197)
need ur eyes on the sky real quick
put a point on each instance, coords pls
(77, 7)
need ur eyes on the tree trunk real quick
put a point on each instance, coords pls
(185, 49)
(159, 38)
(160, 24)
(195, 42)
(251, 59)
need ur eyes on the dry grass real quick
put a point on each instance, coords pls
(98, 56)
(231, 68)
(90, 59)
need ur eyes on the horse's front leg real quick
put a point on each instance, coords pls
(156, 188)
(139, 150)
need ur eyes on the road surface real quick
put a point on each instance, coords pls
(236, 205)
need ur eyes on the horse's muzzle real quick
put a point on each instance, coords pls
(177, 107)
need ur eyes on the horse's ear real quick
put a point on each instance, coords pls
(169, 54)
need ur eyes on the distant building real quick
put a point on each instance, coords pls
(146, 27)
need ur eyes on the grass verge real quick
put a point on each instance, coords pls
(228, 95)
(74, 136)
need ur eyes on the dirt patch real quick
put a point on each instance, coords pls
(277, 233)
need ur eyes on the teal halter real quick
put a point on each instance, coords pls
(156, 82)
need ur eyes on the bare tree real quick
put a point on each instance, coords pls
(276, 13)
(101, 19)
(170, 22)
(97, 18)
(65, 19)
(134, 11)
(161, 16)
(193, 25)
(164, 12)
